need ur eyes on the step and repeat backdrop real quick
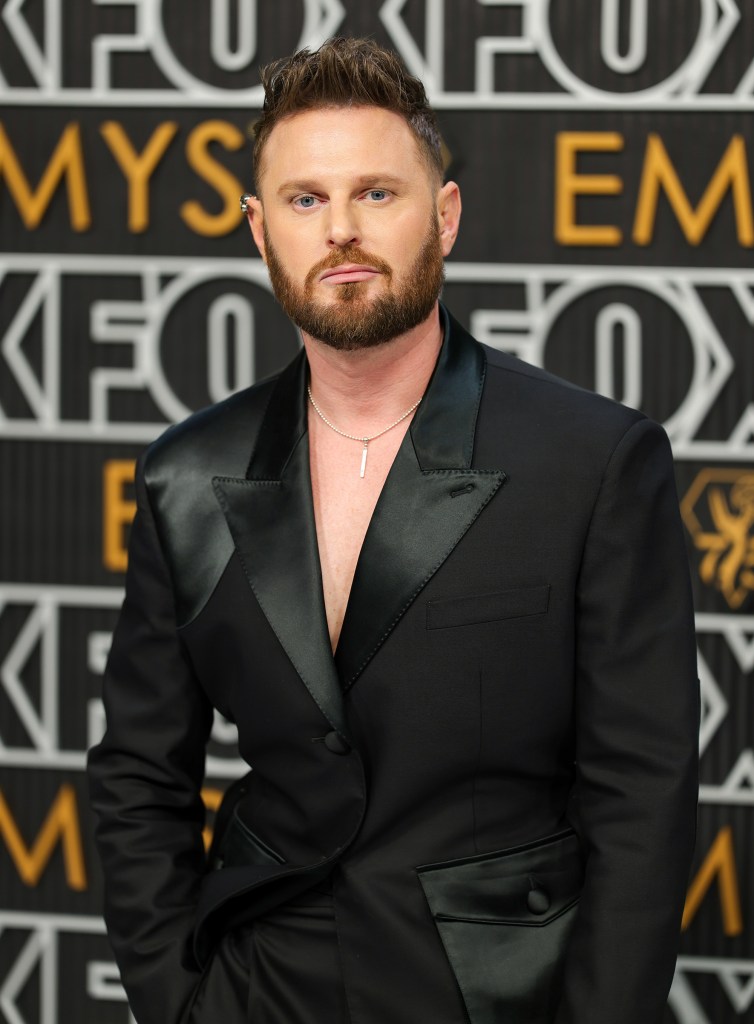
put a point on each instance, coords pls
(605, 151)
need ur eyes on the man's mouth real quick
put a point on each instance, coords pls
(348, 273)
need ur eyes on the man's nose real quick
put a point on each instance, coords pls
(343, 227)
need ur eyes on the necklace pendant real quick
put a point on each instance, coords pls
(353, 437)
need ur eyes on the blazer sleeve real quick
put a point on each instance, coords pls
(145, 779)
(637, 726)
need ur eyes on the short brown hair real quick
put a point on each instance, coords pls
(344, 73)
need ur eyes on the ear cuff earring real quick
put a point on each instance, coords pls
(245, 201)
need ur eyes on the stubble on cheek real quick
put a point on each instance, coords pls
(355, 318)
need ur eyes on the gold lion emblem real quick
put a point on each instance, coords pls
(718, 511)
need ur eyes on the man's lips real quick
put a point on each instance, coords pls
(348, 273)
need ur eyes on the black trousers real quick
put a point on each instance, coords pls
(282, 969)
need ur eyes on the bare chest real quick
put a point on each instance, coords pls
(343, 506)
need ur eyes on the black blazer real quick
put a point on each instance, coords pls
(501, 757)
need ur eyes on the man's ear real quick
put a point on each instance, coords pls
(255, 217)
(448, 215)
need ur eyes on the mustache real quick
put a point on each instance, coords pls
(348, 254)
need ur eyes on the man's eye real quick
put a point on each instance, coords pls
(306, 202)
(377, 194)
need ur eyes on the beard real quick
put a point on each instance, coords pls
(353, 321)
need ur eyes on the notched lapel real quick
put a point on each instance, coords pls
(430, 499)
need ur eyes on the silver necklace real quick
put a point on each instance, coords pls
(354, 437)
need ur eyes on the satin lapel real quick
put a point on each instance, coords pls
(419, 519)
(271, 518)
(430, 499)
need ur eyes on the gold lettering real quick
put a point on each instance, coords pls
(720, 864)
(732, 173)
(226, 184)
(138, 167)
(66, 162)
(117, 512)
(569, 184)
(212, 799)
(61, 825)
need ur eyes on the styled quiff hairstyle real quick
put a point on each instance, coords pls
(346, 73)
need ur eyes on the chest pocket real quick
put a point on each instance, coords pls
(504, 604)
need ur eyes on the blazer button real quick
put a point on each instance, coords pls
(538, 901)
(336, 744)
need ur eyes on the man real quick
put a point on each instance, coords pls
(444, 597)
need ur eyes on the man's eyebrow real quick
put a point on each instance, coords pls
(363, 181)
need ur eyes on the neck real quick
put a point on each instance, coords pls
(365, 389)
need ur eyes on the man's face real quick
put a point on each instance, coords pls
(353, 227)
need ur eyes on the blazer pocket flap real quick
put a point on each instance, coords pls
(241, 847)
(505, 604)
(526, 885)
